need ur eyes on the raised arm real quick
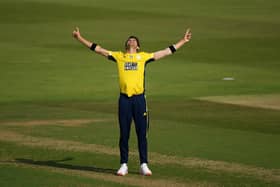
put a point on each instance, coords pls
(97, 48)
(169, 50)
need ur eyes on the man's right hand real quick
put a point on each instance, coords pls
(99, 50)
(76, 33)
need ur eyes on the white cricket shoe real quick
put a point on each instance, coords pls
(123, 170)
(144, 170)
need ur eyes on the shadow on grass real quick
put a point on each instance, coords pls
(58, 164)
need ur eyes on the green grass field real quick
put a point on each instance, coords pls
(58, 100)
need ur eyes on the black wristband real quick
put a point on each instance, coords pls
(172, 48)
(93, 46)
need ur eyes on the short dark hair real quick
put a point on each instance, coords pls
(134, 37)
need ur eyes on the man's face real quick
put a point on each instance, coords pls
(132, 43)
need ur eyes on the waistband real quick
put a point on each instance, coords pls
(125, 95)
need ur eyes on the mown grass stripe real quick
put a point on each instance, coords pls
(127, 180)
(61, 122)
(269, 175)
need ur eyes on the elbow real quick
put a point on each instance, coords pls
(162, 54)
(92, 46)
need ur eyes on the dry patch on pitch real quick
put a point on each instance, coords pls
(55, 144)
(64, 122)
(270, 175)
(269, 101)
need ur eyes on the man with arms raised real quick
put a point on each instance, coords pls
(132, 103)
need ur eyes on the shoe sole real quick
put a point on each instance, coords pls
(147, 174)
(120, 174)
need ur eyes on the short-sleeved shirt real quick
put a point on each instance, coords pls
(131, 69)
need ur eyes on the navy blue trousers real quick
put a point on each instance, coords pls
(133, 108)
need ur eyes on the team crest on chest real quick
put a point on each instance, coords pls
(138, 57)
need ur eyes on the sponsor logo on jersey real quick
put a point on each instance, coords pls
(130, 66)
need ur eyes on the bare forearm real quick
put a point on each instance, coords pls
(171, 49)
(84, 41)
(180, 43)
(96, 48)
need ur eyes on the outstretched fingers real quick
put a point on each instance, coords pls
(77, 29)
(188, 35)
(76, 32)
